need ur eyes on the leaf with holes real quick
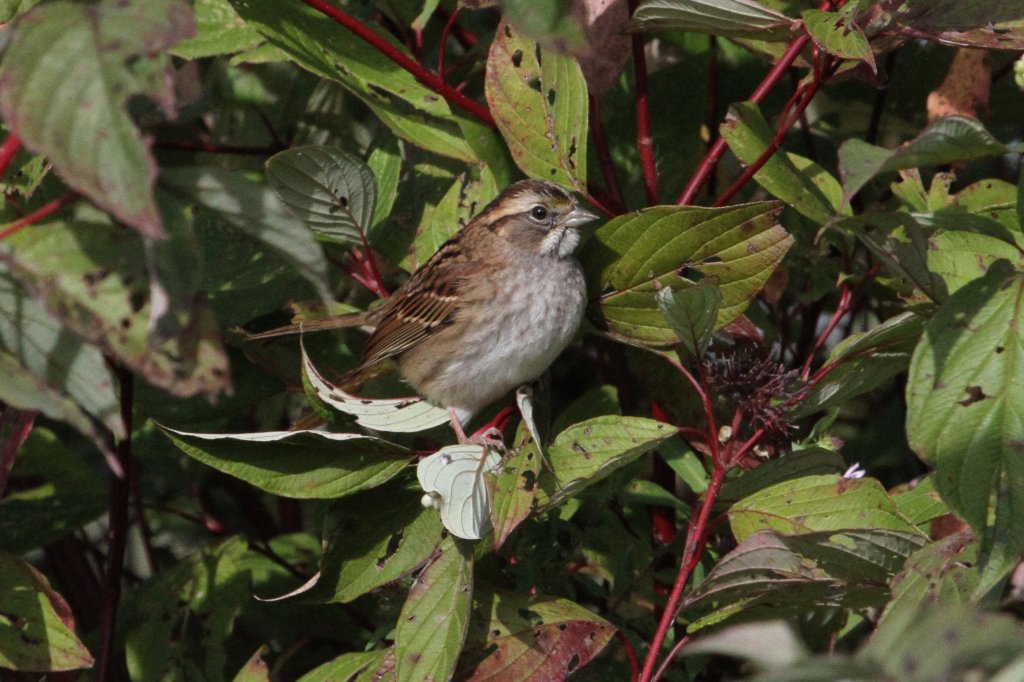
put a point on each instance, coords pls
(396, 415)
(332, 191)
(539, 101)
(36, 627)
(80, 64)
(816, 503)
(453, 482)
(514, 487)
(847, 567)
(838, 34)
(537, 638)
(633, 256)
(965, 406)
(587, 452)
(361, 554)
(435, 616)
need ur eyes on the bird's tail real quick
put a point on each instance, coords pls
(359, 319)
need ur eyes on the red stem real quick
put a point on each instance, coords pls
(20, 424)
(428, 78)
(805, 95)
(644, 137)
(8, 150)
(604, 157)
(695, 537)
(634, 665)
(710, 160)
(444, 41)
(42, 212)
(843, 307)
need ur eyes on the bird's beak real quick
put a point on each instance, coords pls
(580, 216)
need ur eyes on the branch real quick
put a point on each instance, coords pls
(42, 212)
(604, 157)
(428, 78)
(644, 137)
(8, 150)
(117, 535)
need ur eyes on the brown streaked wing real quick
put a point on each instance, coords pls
(425, 305)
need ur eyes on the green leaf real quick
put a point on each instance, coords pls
(960, 641)
(851, 568)
(817, 503)
(55, 493)
(178, 625)
(942, 571)
(36, 625)
(692, 313)
(633, 256)
(80, 64)
(799, 182)
(965, 406)
(46, 368)
(361, 555)
(410, 109)
(920, 503)
(299, 464)
(255, 669)
(718, 17)
(839, 34)
(219, 31)
(460, 204)
(385, 162)
(256, 212)
(811, 461)
(537, 638)
(89, 272)
(514, 487)
(539, 101)
(587, 452)
(949, 139)
(360, 666)
(435, 616)
(332, 191)
(865, 361)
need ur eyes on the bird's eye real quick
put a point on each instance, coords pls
(538, 213)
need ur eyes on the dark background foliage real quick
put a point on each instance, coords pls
(786, 445)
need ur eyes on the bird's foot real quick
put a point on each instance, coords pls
(489, 436)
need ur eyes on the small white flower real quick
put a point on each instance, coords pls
(854, 471)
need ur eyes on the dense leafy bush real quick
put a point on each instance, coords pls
(786, 445)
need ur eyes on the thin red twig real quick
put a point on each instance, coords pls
(711, 159)
(369, 263)
(604, 157)
(634, 665)
(444, 41)
(428, 78)
(671, 654)
(644, 136)
(8, 150)
(19, 423)
(35, 216)
(842, 308)
(801, 99)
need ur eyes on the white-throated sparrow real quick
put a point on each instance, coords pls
(491, 310)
